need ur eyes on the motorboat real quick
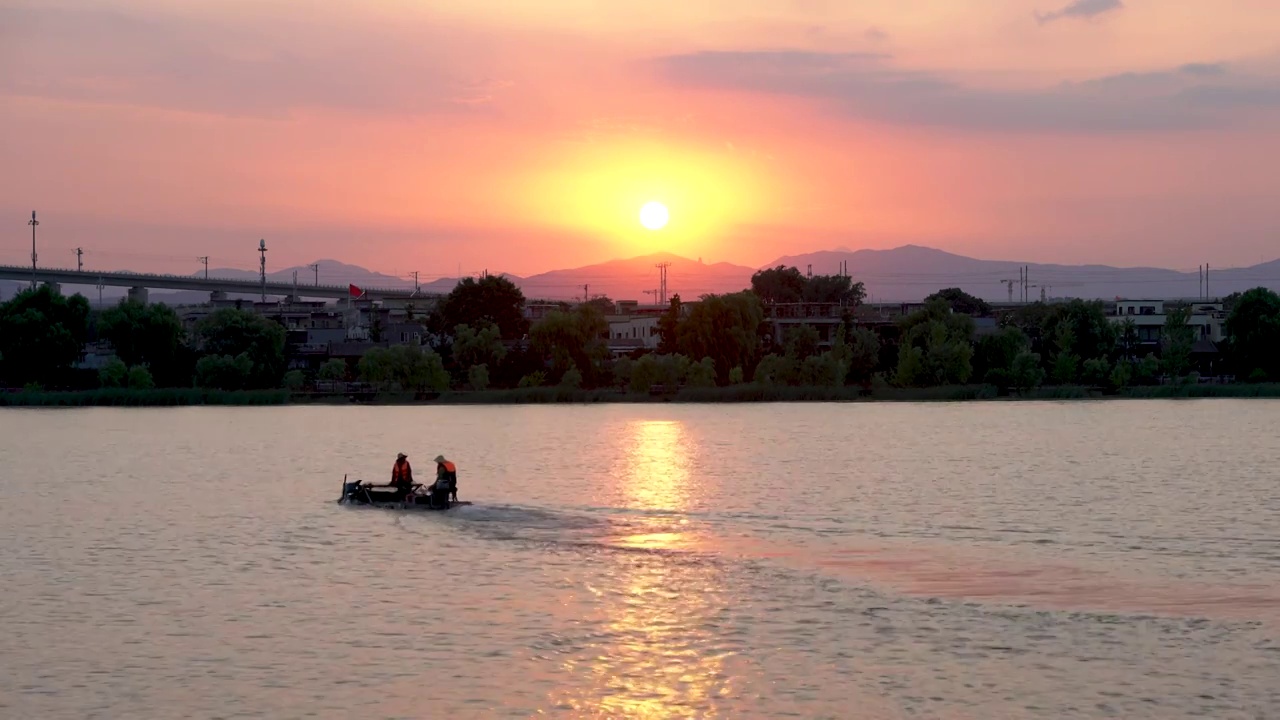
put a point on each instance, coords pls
(417, 497)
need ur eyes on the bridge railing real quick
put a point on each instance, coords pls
(91, 276)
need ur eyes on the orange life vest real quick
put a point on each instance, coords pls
(400, 471)
(448, 467)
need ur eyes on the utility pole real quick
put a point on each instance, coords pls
(205, 260)
(33, 223)
(1009, 286)
(79, 264)
(415, 281)
(316, 267)
(1206, 280)
(586, 293)
(662, 281)
(99, 292)
(262, 251)
(295, 286)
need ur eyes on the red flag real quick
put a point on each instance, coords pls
(355, 291)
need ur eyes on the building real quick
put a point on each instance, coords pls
(1148, 317)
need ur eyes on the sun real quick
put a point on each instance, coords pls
(654, 215)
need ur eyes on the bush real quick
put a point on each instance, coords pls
(114, 374)
(478, 376)
(294, 380)
(533, 380)
(140, 378)
(572, 379)
(736, 376)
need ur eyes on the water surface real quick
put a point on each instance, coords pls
(992, 560)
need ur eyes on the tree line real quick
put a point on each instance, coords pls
(478, 337)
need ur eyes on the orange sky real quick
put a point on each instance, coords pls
(524, 135)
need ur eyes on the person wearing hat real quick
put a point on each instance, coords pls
(447, 477)
(402, 473)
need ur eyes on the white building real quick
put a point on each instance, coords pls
(1148, 317)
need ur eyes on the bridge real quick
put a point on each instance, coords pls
(139, 283)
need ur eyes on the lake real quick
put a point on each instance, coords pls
(975, 561)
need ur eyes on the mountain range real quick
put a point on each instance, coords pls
(902, 274)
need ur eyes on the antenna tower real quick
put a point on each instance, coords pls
(262, 250)
(662, 282)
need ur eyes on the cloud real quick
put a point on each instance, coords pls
(1081, 9)
(869, 86)
(270, 67)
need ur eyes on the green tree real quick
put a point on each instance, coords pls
(936, 347)
(622, 371)
(333, 370)
(223, 372)
(231, 333)
(802, 342)
(571, 378)
(1177, 340)
(1122, 374)
(1025, 373)
(779, 285)
(962, 302)
(775, 370)
(42, 335)
(725, 328)
(864, 355)
(295, 380)
(478, 376)
(533, 379)
(736, 375)
(669, 327)
(404, 368)
(150, 335)
(478, 346)
(1253, 331)
(114, 374)
(702, 374)
(491, 300)
(1096, 372)
(140, 378)
(1066, 364)
(995, 353)
(653, 369)
(573, 339)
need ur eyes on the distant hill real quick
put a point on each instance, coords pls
(912, 272)
(903, 274)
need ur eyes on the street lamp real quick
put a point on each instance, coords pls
(33, 223)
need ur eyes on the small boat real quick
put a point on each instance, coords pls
(388, 496)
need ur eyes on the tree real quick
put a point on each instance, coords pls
(404, 368)
(140, 378)
(864, 355)
(702, 374)
(231, 333)
(223, 372)
(1096, 372)
(42, 335)
(491, 300)
(725, 328)
(995, 353)
(651, 369)
(1177, 340)
(935, 347)
(295, 380)
(573, 339)
(333, 370)
(669, 327)
(114, 374)
(478, 376)
(1253, 331)
(962, 302)
(783, 284)
(1065, 362)
(1025, 373)
(802, 342)
(150, 335)
(478, 346)
(779, 285)
(571, 379)
(736, 376)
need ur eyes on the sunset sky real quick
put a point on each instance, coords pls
(525, 135)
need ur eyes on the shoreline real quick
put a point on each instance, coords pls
(747, 393)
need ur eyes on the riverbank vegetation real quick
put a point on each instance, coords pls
(738, 347)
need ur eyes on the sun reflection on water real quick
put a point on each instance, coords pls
(662, 653)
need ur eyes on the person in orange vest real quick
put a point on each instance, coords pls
(447, 477)
(402, 473)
